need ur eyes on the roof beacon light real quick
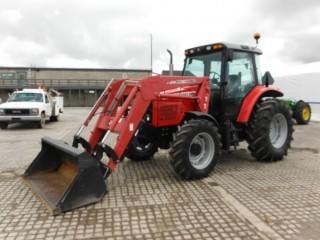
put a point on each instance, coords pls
(257, 36)
(217, 46)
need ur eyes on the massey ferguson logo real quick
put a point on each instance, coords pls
(180, 90)
(182, 81)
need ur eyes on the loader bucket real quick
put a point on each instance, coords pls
(64, 178)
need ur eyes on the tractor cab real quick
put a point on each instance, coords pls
(233, 71)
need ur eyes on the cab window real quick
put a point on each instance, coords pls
(215, 73)
(240, 75)
(205, 65)
(46, 98)
(194, 67)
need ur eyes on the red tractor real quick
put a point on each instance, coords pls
(220, 100)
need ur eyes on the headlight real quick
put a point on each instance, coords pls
(34, 111)
(1, 111)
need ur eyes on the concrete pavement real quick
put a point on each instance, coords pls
(241, 199)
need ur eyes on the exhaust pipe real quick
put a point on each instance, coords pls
(171, 63)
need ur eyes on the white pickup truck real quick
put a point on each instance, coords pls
(31, 105)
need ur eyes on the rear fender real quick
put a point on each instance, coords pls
(252, 98)
(203, 115)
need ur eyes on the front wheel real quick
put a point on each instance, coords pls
(195, 149)
(141, 148)
(42, 121)
(269, 132)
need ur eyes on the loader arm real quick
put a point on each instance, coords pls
(121, 116)
(127, 103)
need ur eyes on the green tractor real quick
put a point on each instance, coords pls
(301, 110)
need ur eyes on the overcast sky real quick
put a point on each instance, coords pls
(116, 34)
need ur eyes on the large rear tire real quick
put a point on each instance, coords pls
(302, 112)
(141, 148)
(195, 149)
(269, 132)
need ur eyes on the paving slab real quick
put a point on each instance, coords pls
(241, 199)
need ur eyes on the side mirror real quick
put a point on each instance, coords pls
(267, 79)
(229, 55)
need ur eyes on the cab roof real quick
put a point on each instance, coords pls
(219, 46)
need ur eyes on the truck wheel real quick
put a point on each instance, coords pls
(269, 132)
(141, 148)
(42, 121)
(4, 125)
(54, 118)
(302, 112)
(195, 149)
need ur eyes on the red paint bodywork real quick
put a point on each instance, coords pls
(166, 99)
(251, 99)
(124, 104)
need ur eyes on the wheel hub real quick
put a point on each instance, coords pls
(195, 149)
(201, 150)
(142, 143)
(306, 113)
(278, 130)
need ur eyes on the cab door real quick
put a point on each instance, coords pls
(214, 73)
(240, 78)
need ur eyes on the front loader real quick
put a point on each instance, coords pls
(220, 100)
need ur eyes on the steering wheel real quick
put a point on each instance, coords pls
(215, 78)
(214, 74)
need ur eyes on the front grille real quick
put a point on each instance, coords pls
(17, 112)
(168, 112)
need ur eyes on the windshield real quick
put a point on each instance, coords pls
(204, 65)
(26, 97)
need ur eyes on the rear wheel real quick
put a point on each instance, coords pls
(302, 112)
(195, 149)
(54, 118)
(269, 131)
(141, 148)
(4, 125)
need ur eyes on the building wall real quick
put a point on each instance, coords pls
(81, 87)
(85, 74)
